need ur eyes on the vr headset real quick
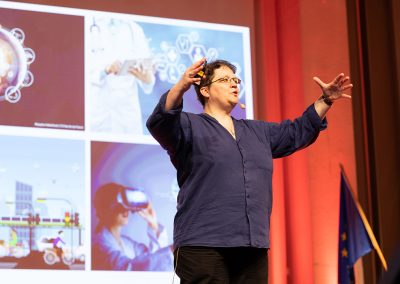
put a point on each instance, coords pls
(132, 199)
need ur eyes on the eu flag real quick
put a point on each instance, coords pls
(354, 241)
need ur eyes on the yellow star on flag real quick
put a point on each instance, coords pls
(344, 252)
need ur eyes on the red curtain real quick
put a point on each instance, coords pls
(294, 42)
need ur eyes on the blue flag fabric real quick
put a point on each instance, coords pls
(354, 241)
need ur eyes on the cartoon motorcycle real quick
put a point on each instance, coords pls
(51, 256)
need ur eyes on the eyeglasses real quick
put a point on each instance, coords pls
(226, 79)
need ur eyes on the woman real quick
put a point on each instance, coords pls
(112, 250)
(224, 168)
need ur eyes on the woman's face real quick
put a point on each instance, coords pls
(223, 93)
(121, 217)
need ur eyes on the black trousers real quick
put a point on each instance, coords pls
(221, 265)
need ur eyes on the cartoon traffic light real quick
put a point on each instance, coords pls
(37, 219)
(67, 218)
(76, 219)
(30, 218)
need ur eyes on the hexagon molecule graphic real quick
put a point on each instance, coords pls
(173, 55)
(15, 60)
(212, 54)
(183, 43)
(197, 52)
(173, 74)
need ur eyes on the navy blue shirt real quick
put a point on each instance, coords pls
(225, 196)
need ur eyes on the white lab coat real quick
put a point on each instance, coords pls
(115, 106)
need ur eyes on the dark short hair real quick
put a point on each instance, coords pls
(209, 76)
(105, 203)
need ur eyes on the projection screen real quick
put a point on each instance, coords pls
(72, 118)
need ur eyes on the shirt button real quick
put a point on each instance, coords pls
(248, 195)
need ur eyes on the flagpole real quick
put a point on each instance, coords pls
(365, 222)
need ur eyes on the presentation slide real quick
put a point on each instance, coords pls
(86, 194)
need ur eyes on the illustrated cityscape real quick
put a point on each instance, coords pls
(32, 233)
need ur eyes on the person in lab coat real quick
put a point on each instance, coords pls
(120, 63)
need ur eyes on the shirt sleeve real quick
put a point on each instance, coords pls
(169, 128)
(157, 241)
(290, 136)
(107, 257)
(147, 87)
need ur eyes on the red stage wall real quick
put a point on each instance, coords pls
(299, 40)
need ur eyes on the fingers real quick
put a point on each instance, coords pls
(319, 82)
(189, 76)
(198, 64)
(346, 87)
(346, 96)
(144, 215)
(139, 68)
(343, 80)
(196, 70)
(134, 72)
(196, 67)
(338, 81)
(338, 78)
(113, 68)
(191, 73)
(334, 90)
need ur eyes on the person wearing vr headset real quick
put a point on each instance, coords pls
(113, 250)
(224, 170)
